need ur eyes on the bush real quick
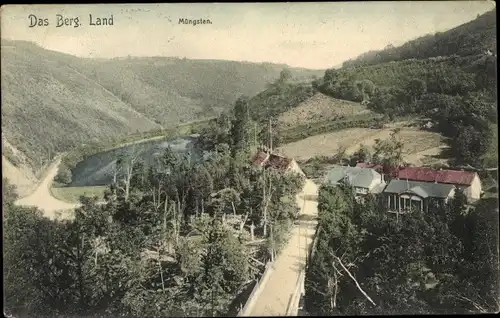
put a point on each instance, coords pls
(63, 175)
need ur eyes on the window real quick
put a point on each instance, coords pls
(361, 190)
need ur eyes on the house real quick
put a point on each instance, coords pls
(266, 159)
(385, 170)
(404, 194)
(363, 180)
(467, 181)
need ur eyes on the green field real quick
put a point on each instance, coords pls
(303, 131)
(72, 194)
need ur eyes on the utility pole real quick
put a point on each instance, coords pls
(255, 134)
(270, 136)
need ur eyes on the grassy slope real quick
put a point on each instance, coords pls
(318, 108)
(72, 194)
(53, 101)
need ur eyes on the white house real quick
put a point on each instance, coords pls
(363, 180)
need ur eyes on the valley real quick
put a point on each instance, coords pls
(172, 187)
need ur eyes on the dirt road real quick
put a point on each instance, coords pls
(43, 199)
(276, 294)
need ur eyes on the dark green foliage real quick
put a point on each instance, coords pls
(241, 136)
(217, 132)
(471, 38)
(161, 245)
(435, 76)
(63, 175)
(9, 193)
(427, 263)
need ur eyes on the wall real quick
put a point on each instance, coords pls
(294, 166)
(378, 179)
(474, 191)
(256, 291)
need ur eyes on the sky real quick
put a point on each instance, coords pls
(310, 35)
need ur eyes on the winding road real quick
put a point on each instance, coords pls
(42, 198)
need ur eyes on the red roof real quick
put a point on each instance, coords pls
(259, 158)
(274, 161)
(278, 162)
(439, 176)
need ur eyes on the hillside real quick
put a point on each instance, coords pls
(454, 86)
(53, 101)
(320, 107)
(472, 38)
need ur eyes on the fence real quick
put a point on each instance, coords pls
(310, 254)
(256, 291)
(293, 305)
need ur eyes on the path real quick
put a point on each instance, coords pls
(277, 292)
(43, 199)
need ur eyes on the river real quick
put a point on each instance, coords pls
(98, 169)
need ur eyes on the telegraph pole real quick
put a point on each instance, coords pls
(270, 136)
(255, 134)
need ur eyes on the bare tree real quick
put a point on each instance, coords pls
(125, 165)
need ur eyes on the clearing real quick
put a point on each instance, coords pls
(72, 194)
(319, 107)
(420, 147)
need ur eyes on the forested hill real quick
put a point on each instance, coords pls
(52, 101)
(457, 91)
(474, 37)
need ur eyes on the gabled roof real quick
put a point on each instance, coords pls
(422, 189)
(274, 161)
(356, 176)
(259, 158)
(278, 162)
(439, 176)
(419, 191)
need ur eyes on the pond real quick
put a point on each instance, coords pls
(98, 169)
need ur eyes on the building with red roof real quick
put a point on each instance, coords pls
(468, 181)
(264, 158)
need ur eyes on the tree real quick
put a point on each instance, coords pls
(216, 133)
(389, 152)
(224, 267)
(9, 192)
(285, 75)
(330, 270)
(269, 134)
(63, 175)
(415, 89)
(125, 169)
(362, 155)
(241, 134)
(366, 89)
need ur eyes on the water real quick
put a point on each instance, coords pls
(98, 169)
